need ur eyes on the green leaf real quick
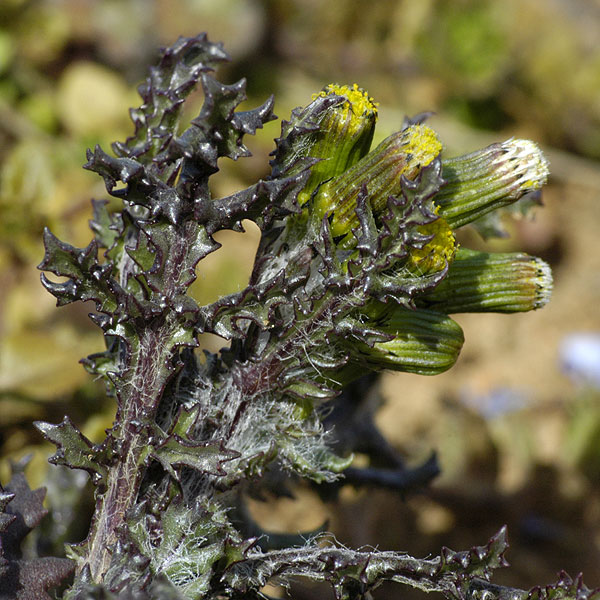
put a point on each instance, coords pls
(220, 125)
(143, 254)
(190, 545)
(88, 279)
(106, 226)
(207, 457)
(187, 245)
(163, 93)
(186, 418)
(74, 449)
(303, 388)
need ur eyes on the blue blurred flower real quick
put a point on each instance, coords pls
(580, 358)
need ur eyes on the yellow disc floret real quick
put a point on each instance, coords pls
(357, 99)
(422, 143)
(438, 251)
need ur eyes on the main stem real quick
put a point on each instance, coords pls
(137, 411)
(140, 393)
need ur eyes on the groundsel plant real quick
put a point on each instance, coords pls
(357, 271)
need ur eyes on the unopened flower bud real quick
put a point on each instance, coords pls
(425, 342)
(491, 282)
(336, 128)
(402, 154)
(344, 137)
(490, 178)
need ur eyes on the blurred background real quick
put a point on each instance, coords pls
(516, 423)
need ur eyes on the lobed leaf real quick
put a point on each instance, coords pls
(88, 279)
(21, 510)
(74, 449)
(169, 83)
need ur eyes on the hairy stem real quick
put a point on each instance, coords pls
(256, 377)
(132, 441)
(143, 384)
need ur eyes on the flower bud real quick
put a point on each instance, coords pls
(488, 179)
(491, 282)
(401, 154)
(344, 136)
(336, 128)
(425, 342)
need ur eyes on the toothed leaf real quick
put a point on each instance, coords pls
(106, 226)
(175, 247)
(74, 449)
(207, 457)
(23, 578)
(163, 93)
(88, 279)
(220, 125)
(262, 203)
